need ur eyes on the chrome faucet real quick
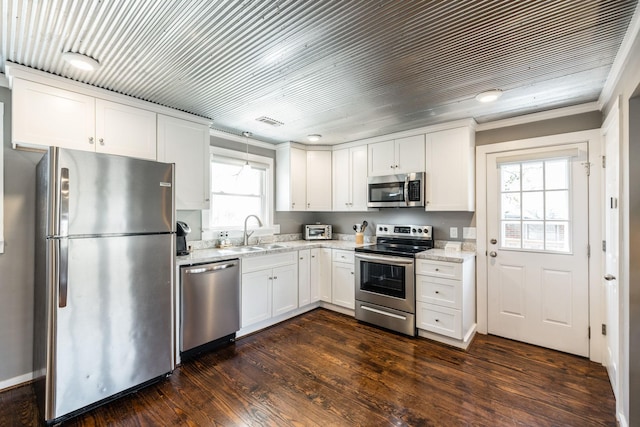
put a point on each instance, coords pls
(246, 233)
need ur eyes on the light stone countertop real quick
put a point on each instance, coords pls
(447, 256)
(199, 256)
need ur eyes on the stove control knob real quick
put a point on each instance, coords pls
(419, 230)
(379, 228)
(413, 230)
(386, 229)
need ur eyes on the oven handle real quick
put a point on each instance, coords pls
(386, 259)
(406, 190)
(384, 313)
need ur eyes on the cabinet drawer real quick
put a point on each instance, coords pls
(343, 256)
(443, 292)
(268, 261)
(441, 320)
(448, 270)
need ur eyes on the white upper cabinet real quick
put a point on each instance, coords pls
(291, 179)
(403, 155)
(125, 130)
(450, 170)
(318, 181)
(303, 179)
(350, 179)
(186, 144)
(47, 116)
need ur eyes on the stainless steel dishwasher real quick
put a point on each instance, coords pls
(210, 305)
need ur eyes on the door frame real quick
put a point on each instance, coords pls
(593, 139)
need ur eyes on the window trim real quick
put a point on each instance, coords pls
(268, 228)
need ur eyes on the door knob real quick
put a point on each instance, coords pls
(493, 254)
(493, 241)
(609, 277)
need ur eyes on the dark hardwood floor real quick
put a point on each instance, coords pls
(323, 368)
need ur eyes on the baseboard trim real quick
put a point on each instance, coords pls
(16, 381)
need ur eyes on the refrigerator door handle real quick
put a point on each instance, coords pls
(64, 202)
(63, 271)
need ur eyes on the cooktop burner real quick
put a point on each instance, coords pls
(400, 240)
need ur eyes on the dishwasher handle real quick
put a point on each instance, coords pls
(211, 268)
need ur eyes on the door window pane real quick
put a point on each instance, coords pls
(510, 177)
(534, 205)
(557, 205)
(511, 234)
(532, 174)
(510, 206)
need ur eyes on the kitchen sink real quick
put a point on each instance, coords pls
(247, 249)
(272, 246)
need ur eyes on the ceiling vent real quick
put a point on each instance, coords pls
(269, 121)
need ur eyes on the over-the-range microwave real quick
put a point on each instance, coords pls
(393, 191)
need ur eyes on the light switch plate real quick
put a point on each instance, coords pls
(468, 232)
(453, 232)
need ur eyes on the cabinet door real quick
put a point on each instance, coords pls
(382, 158)
(358, 170)
(318, 181)
(305, 268)
(341, 180)
(125, 130)
(256, 297)
(285, 289)
(409, 154)
(316, 275)
(450, 167)
(186, 144)
(298, 179)
(343, 285)
(48, 116)
(325, 275)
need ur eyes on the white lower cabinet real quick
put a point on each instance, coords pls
(446, 300)
(269, 287)
(343, 279)
(314, 275)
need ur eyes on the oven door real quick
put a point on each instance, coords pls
(385, 280)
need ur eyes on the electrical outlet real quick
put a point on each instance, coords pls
(453, 232)
(468, 232)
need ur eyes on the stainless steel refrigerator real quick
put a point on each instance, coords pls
(105, 268)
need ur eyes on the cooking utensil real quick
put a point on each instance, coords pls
(364, 225)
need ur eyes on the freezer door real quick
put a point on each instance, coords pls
(107, 194)
(115, 331)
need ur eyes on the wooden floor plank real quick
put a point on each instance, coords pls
(326, 369)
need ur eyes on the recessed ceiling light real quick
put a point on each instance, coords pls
(314, 138)
(489, 95)
(81, 61)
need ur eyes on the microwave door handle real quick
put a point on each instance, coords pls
(406, 190)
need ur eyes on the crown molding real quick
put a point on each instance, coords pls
(239, 138)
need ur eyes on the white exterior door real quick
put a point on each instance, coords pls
(537, 242)
(611, 217)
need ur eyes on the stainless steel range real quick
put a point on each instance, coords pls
(385, 276)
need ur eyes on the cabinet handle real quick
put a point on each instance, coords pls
(101, 141)
(352, 272)
(437, 292)
(437, 320)
(308, 205)
(275, 277)
(206, 200)
(301, 258)
(437, 269)
(391, 166)
(396, 166)
(90, 140)
(313, 256)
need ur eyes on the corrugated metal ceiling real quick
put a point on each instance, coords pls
(345, 69)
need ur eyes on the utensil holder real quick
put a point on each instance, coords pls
(359, 238)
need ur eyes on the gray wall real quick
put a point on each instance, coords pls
(16, 263)
(575, 123)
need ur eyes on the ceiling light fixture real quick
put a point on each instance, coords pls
(83, 62)
(489, 95)
(314, 137)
